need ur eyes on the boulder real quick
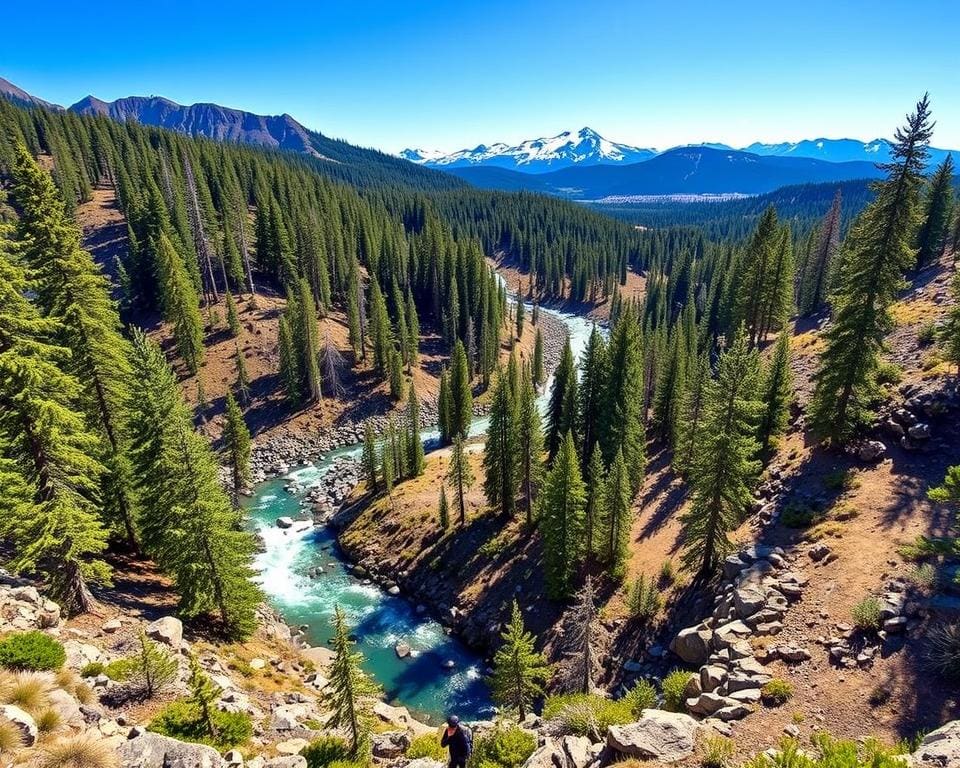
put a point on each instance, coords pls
(425, 762)
(49, 615)
(319, 656)
(939, 748)
(151, 750)
(748, 600)
(402, 649)
(233, 759)
(111, 626)
(287, 761)
(547, 755)
(711, 676)
(291, 746)
(65, 706)
(284, 522)
(707, 703)
(919, 431)
(390, 743)
(400, 717)
(871, 450)
(818, 552)
(23, 723)
(692, 644)
(730, 633)
(658, 735)
(167, 630)
(579, 751)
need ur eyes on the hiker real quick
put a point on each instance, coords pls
(458, 740)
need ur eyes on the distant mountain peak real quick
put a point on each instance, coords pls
(21, 98)
(583, 147)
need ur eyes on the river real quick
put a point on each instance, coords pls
(441, 675)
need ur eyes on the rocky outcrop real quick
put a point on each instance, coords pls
(151, 750)
(939, 748)
(657, 735)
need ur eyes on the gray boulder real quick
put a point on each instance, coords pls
(425, 762)
(167, 630)
(692, 644)
(287, 761)
(390, 743)
(151, 750)
(939, 748)
(23, 723)
(658, 735)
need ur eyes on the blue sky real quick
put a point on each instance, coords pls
(454, 74)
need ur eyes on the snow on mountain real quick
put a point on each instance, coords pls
(582, 148)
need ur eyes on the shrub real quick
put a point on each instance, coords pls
(118, 670)
(674, 686)
(93, 669)
(888, 373)
(943, 649)
(11, 739)
(923, 575)
(643, 599)
(798, 515)
(642, 696)
(840, 480)
(866, 614)
(183, 720)
(716, 752)
(927, 333)
(26, 690)
(880, 694)
(776, 692)
(580, 714)
(85, 750)
(325, 750)
(31, 651)
(667, 573)
(427, 745)
(504, 748)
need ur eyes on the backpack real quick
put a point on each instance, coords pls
(468, 738)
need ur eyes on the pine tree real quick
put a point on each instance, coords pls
(443, 509)
(460, 476)
(370, 463)
(724, 466)
(152, 668)
(57, 530)
(203, 696)
(596, 499)
(388, 459)
(776, 392)
(579, 640)
(396, 375)
(500, 455)
(618, 518)
(415, 444)
(236, 442)
(949, 334)
(561, 409)
(938, 206)
(520, 315)
(754, 281)
(591, 394)
(876, 253)
(530, 442)
(289, 372)
(413, 334)
(243, 380)
(623, 429)
(350, 694)
(443, 409)
(815, 282)
(461, 396)
(519, 672)
(310, 344)
(692, 408)
(180, 303)
(233, 321)
(561, 520)
(538, 359)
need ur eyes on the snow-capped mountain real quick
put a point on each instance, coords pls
(838, 150)
(581, 148)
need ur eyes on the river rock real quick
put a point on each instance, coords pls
(658, 735)
(284, 522)
(151, 750)
(390, 743)
(402, 650)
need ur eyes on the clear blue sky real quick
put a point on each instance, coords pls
(447, 75)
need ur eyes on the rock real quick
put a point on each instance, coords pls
(547, 755)
(287, 761)
(402, 650)
(692, 644)
(167, 630)
(319, 656)
(426, 762)
(659, 735)
(732, 566)
(707, 703)
(66, 706)
(233, 759)
(730, 633)
(111, 626)
(399, 717)
(49, 615)
(394, 590)
(733, 712)
(151, 750)
(792, 653)
(390, 743)
(257, 664)
(818, 552)
(919, 432)
(284, 522)
(748, 600)
(579, 751)
(939, 748)
(23, 723)
(871, 450)
(896, 625)
(711, 676)
(291, 746)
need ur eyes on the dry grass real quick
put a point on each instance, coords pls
(48, 720)
(26, 690)
(86, 750)
(912, 311)
(11, 740)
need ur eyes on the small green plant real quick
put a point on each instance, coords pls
(118, 670)
(642, 696)
(31, 651)
(888, 373)
(924, 575)
(582, 714)
(643, 599)
(716, 752)
(776, 692)
(92, 669)
(492, 548)
(840, 480)
(668, 573)
(184, 720)
(798, 515)
(325, 750)
(943, 649)
(507, 747)
(927, 333)
(866, 614)
(674, 688)
(798, 717)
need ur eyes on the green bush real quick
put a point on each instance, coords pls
(643, 599)
(888, 373)
(325, 750)
(119, 670)
(798, 515)
(93, 669)
(673, 687)
(776, 692)
(943, 650)
(182, 720)
(427, 745)
(642, 696)
(830, 753)
(31, 651)
(667, 573)
(580, 714)
(866, 614)
(504, 748)
(716, 752)
(927, 333)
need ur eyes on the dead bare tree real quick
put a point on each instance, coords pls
(245, 252)
(200, 240)
(331, 363)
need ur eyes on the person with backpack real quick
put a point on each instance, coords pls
(458, 739)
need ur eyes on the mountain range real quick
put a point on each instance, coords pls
(586, 147)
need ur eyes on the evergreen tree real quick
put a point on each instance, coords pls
(692, 408)
(444, 409)
(443, 509)
(938, 206)
(56, 529)
(560, 417)
(591, 394)
(561, 520)
(289, 371)
(179, 301)
(596, 499)
(815, 278)
(233, 321)
(236, 442)
(724, 466)
(370, 456)
(949, 334)
(776, 392)
(460, 476)
(388, 458)
(152, 668)
(350, 694)
(415, 444)
(203, 696)
(243, 380)
(500, 455)
(624, 428)
(519, 672)
(413, 334)
(520, 315)
(579, 640)
(461, 396)
(538, 375)
(618, 518)
(530, 442)
(396, 375)
(308, 338)
(876, 253)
